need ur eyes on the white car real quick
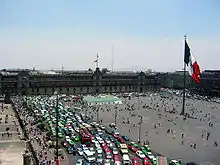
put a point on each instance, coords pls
(108, 155)
(91, 149)
(110, 144)
(150, 155)
(86, 149)
(93, 140)
(79, 162)
(99, 158)
(99, 150)
(154, 159)
(101, 141)
(97, 145)
(107, 162)
(102, 127)
(83, 146)
(107, 141)
(77, 129)
(98, 138)
(140, 154)
(67, 138)
(115, 151)
(80, 151)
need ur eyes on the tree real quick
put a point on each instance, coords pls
(49, 134)
(41, 126)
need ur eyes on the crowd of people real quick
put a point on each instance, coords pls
(163, 112)
(37, 137)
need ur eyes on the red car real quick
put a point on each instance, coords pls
(115, 136)
(146, 161)
(116, 159)
(121, 140)
(103, 144)
(132, 148)
(105, 147)
(107, 150)
(135, 161)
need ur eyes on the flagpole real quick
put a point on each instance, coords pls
(97, 61)
(113, 53)
(184, 84)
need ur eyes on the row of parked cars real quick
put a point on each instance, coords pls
(106, 146)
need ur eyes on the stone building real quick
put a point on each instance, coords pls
(34, 82)
(174, 80)
(210, 83)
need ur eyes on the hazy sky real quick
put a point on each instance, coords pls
(49, 34)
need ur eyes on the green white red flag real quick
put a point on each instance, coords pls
(97, 58)
(192, 64)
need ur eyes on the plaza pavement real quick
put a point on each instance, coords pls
(168, 144)
(11, 148)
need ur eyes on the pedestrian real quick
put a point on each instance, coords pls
(194, 145)
(208, 134)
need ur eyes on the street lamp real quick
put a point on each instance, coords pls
(115, 115)
(97, 113)
(86, 109)
(141, 121)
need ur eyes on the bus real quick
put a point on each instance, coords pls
(85, 136)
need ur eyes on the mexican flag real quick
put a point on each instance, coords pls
(97, 58)
(192, 64)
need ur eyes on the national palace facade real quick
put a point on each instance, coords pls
(34, 82)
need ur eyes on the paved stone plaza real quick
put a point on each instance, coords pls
(11, 147)
(170, 144)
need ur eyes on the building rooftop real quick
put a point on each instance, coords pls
(116, 73)
(5, 73)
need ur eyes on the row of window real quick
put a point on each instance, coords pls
(115, 88)
(60, 90)
(66, 78)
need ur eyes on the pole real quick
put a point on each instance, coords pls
(184, 85)
(97, 111)
(113, 54)
(115, 116)
(62, 70)
(141, 120)
(97, 60)
(86, 111)
(138, 103)
(57, 158)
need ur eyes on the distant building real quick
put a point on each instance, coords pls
(210, 83)
(34, 82)
(174, 80)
